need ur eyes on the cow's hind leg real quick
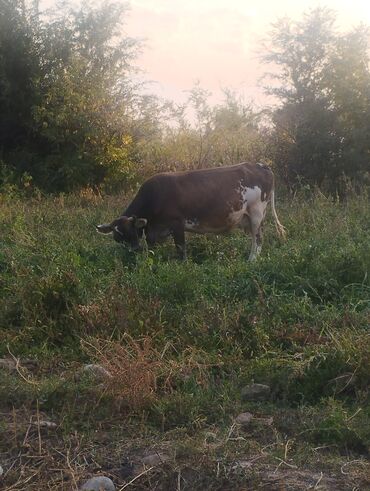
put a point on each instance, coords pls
(256, 216)
(178, 233)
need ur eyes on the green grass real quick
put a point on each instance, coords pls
(296, 319)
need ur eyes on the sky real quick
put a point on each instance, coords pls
(215, 42)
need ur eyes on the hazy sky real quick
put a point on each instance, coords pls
(216, 41)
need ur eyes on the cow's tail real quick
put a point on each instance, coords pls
(281, 230)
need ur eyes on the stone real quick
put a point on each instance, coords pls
(47, 424)
(244, 419)
(255, 392)
(154, 459)
(147, 460)
(96, 371)
(242, 464)
(98, 483)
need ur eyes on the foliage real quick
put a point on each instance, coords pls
(224, 134)
(321, 129)
(65, 112)
(71, 114)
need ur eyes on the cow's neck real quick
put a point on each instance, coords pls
(135, 208)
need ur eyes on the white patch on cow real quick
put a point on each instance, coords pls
(102, 227)
(118, 231)
(249, 197)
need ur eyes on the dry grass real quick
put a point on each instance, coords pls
(134, 367)
(137, 373)
(39, 458)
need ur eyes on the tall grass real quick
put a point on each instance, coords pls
(297, 319)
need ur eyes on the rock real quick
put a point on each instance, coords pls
(147, 460)
(98, 483)
(154, 459)
(1, 471)
(255, 392)
(96, 371)
(244, 419)
(47, 424)
(242, 464)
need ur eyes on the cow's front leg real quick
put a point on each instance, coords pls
(178, 232)
(150, 237)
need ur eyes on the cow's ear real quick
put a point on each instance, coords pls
(141, 222)
(105, 228)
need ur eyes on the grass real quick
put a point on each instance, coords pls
(181, 340)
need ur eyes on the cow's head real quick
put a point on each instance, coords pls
(125, 229)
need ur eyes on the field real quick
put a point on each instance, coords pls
(177, 344)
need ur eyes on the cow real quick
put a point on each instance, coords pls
(214, 200)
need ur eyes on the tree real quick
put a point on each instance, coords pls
(69, 110)
(347, 78)
(19, 70)
(237, 131)
(321, 128)
(224, 134)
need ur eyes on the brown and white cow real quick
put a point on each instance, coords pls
(208, 200)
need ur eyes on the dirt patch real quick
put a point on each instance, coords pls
(38, 456)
